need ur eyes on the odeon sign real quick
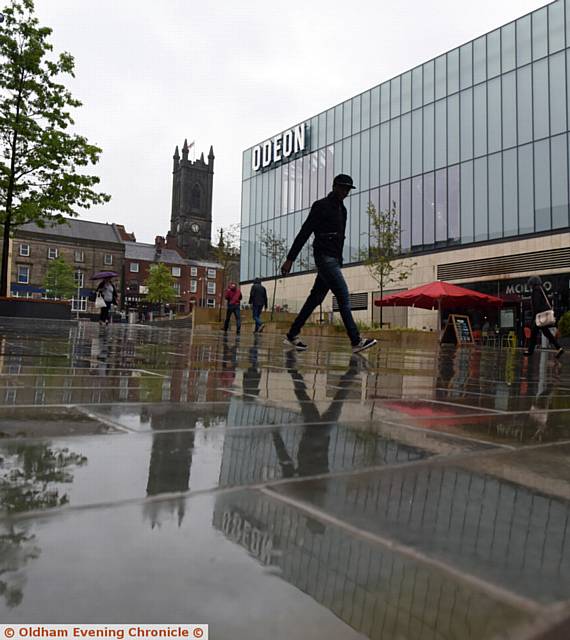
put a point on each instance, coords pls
(279, 147)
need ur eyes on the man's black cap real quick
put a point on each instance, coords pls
(344, 180)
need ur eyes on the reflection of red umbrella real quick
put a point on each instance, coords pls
(101, 275)
(437, 295)
(433, 416)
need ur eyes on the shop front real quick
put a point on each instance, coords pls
(516, 313)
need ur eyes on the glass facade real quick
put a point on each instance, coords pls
(471, 147)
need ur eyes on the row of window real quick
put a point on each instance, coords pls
(134, 286)
(134, 267)
(508, 111)
(528, 39)
(24, 272)
(516, 192)
(53, 253)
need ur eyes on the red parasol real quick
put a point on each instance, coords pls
(436, 295)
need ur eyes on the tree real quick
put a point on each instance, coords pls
(274, 248)
(227, 254)
(384, 249)
(160, 283)
(60, 281)
(41, 163)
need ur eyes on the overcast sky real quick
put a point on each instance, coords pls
(231, 73)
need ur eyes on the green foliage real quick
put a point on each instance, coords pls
(42, 164)
(274, 248)
(59, 281)
(160, 283)
(564, 324)
(384, 258)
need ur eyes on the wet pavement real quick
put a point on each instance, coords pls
(160, 475)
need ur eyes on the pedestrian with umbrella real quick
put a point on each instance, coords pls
(106, 295)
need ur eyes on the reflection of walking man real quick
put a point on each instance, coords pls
(327, 220)
(313, 452)
(258, 301)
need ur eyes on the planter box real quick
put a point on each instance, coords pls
(29, 308)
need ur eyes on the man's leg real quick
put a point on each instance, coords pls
(237, 313)
(228, 316)
(316, 296)
(329, 270)
(256, 316)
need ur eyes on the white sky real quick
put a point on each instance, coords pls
(231, 73)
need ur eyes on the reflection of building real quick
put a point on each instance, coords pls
(380, 593)
(472, 149)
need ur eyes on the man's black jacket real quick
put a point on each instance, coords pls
(327, 220)
(258, 295)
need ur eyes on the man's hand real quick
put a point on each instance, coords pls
(286, 267)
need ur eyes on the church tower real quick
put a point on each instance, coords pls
(191, 217)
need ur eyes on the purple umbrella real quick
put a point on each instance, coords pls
(101, 275)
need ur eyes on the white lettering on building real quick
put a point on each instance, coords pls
(522, 289)
(281, 146)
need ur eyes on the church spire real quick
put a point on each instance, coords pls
(211, 158)
(176, 158)
(185, 150)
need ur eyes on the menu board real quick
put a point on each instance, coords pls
(458, 330)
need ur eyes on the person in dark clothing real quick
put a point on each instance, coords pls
(327, 220)
(539, 303)
(258, 302)
(233, 296)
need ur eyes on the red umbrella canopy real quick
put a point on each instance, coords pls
(434, 294)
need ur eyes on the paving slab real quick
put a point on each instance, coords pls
(152, 474)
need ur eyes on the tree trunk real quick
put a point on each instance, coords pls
(4, 284)
(5, 258)
(274, 292)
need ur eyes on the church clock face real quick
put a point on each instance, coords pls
(195, 228)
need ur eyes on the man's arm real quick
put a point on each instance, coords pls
(302, 237)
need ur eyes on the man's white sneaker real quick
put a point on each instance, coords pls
(295, 342)
(365, 343)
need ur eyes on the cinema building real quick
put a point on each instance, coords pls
(472, 149)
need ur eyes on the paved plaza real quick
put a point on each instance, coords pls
(152, 475)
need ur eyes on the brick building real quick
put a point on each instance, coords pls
(197, 282)
(87, 246)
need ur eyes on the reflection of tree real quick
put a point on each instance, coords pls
(28, 473)
(16, 548)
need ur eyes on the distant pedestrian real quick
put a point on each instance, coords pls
(327, 220)
(258, 302)
(233, 297)
(540, 303)
(108, 292)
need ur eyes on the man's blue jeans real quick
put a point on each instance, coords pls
(256, 310)
(329, 277)
(235, 310)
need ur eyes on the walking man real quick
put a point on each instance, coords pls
(258, 302)
(233, 296)
(327, 220)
